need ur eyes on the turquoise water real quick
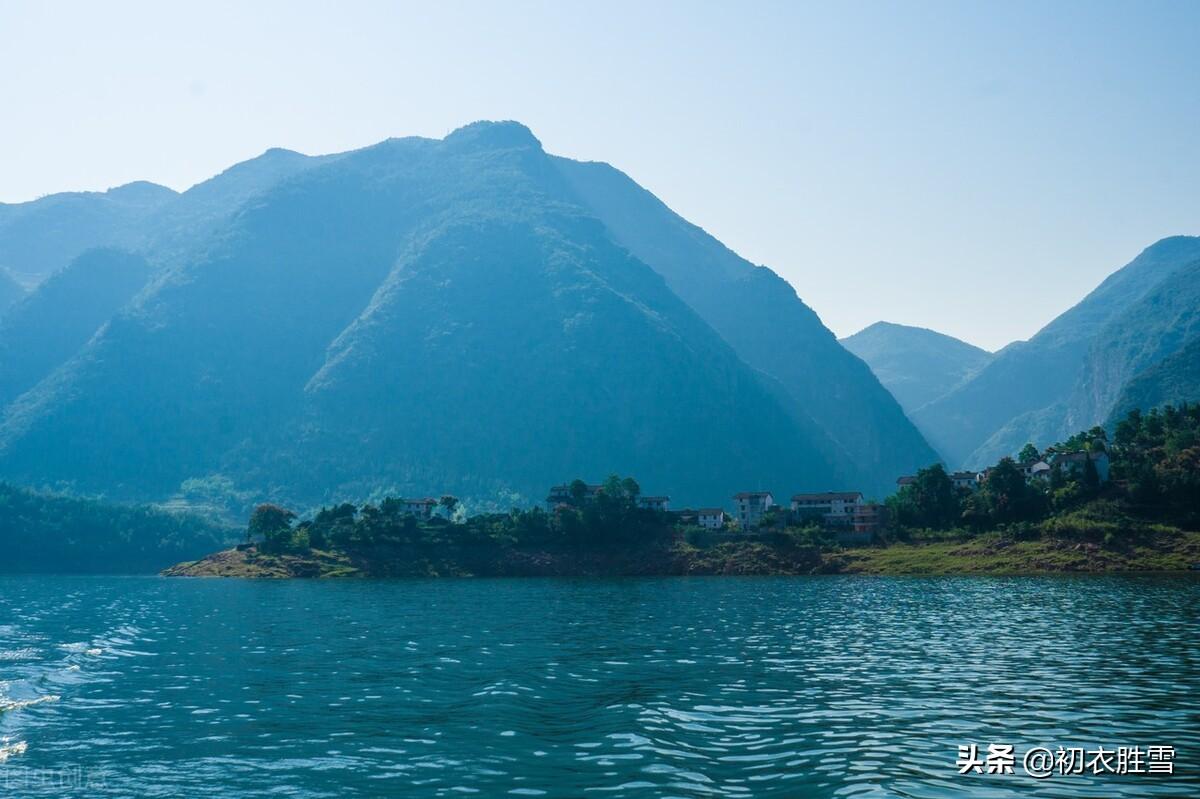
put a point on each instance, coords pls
(705, 687)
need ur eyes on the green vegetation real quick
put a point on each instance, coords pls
(1143, 518)
(1154, 489)
(603, 533)
(609, 520)
(45, 533)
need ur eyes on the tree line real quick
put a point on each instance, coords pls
(608, 518)
(50, 533)
(1154, 462)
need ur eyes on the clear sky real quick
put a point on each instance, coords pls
(971, 167)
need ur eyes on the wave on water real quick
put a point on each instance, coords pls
(7, 705)
(7, 750)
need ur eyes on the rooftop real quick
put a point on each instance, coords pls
(828, 495)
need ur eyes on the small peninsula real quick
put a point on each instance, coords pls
(1129, 504)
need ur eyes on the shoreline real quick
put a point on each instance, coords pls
(987, 554)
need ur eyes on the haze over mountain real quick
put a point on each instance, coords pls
(1174, 380)
(10, 291)
(916, 364)
(40, 237)
(1070, 375)
(467, 315)
(760, 315)
(58, 318)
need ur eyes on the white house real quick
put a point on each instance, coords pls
(967, 480)
(1035, 470)
(751, 505)
(421, 508)
(654, 503)
(833, 507)
(710, 518)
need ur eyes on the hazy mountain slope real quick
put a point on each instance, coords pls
(178, 226)
(10, 291)
(1174, 380)
(759, 314)
(524, 350)
(40, 237)
(425, 315)
(217, 351)
(916, 364)
(1159, 325)
(59, 317)
(1028, 377)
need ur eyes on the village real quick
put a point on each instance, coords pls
(849, 515)
(853, 519)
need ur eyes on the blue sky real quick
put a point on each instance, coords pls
(975, 168)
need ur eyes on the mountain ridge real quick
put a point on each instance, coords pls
(916, 364)
(256, 358)
(1025, 391)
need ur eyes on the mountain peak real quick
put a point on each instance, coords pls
(485, 134)
(141, 190)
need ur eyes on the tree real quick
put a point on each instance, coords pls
(928, 501)
(578, 491)
(631, 488)
(272, 524)
(1029, 454)
(1010, 498)
(450, 503)
(1091, 477)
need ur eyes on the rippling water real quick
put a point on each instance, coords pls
(792, 687)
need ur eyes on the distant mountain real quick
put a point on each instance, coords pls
(916, 364)
(10, 291)
(58, 318)
(458, 315)
(1028, 392)
(764, 321)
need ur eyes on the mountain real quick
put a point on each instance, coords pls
(1174, 380)
(10, 291)
(916, 364)
(40, 237)
(765, 322)
(58, 318)
(1160, 324)
(453, 315)
(1028, 391)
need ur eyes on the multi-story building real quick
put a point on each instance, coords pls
(831, 507)
(654, 503)
(751, 505)
(968, 481)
